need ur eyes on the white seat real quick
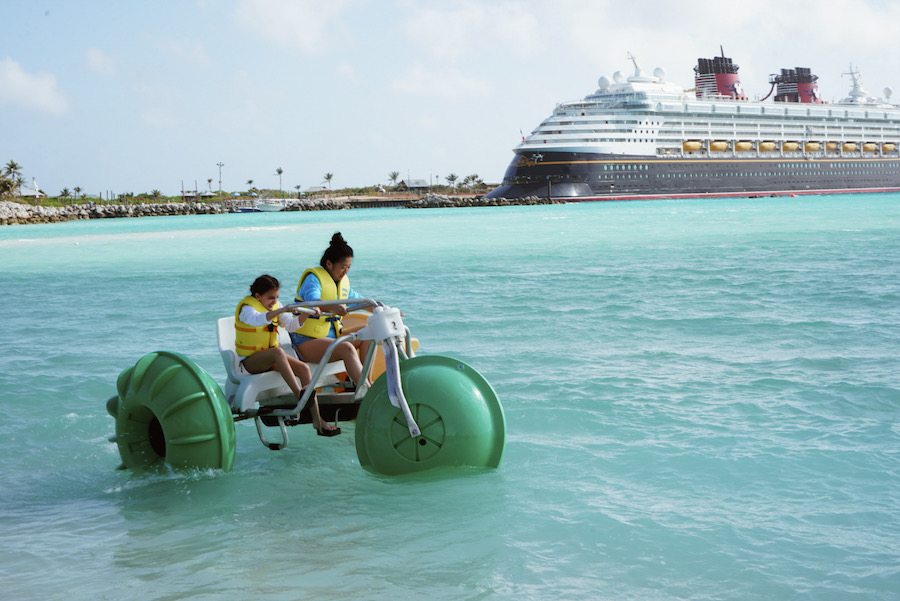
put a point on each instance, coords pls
(245, 390)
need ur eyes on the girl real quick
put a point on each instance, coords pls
(256, 321)
(330, 282)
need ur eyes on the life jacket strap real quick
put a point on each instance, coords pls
(331, 318)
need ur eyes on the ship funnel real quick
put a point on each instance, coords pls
(797, 85)
(718, 77)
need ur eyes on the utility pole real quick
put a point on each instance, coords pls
(220, 164)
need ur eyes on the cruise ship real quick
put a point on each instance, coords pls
(644, 137)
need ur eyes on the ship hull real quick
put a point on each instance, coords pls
(583, 176)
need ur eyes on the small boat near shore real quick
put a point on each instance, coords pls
(271, 205)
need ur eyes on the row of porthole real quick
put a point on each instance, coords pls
(808, 166)
(717, 174)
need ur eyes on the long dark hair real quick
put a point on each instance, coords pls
(337, 251)
(263, 284)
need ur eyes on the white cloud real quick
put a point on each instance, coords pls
(184, 50)
(672, 35)
(100, 62)
(446, 83)
(465, 29)
(38, 91)
(311, 26)
(347, 72)
(159, 118)
(160, 106)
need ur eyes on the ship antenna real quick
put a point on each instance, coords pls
(857, 89)
(637, 68)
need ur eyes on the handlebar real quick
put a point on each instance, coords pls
(358, 303)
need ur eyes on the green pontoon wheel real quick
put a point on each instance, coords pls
(459, 415)
(170, 410)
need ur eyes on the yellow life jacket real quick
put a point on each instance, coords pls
(248, 339)
(318, 327)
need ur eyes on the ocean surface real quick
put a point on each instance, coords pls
(702, 400)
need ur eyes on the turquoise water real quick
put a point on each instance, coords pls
(702, 396)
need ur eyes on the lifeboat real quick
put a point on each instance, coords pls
(718, 145)
(869, 147)
(789, 146)
(691, 145)
(830, 145)
(812, 146)
(767, 146)
(743, 145)
(849, 146)
(888, 147)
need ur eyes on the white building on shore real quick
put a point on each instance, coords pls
(32, 192)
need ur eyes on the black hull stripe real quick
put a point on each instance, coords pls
(579, 177)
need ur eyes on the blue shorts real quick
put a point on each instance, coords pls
(298, 339)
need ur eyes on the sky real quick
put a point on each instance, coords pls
(129, 97)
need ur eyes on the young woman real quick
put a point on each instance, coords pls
(329, 282)
(256, 321)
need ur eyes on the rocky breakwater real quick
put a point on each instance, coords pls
(318, 204)
(15, 213)
(437, 200)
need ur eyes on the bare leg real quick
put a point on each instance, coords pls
(363, 346)
(290, 369)
(313, 351)
(277, 359)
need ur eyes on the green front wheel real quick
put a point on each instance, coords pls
(457, 411)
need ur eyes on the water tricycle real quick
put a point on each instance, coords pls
(421, 411)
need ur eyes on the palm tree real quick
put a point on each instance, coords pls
(10, 180)
(12, 170)
(278, 172)
(451, 179)
(297, 188)
(393, 177)
(77, 190)
(209, 183)
(328, 177)
(471, 181)
(64, 193)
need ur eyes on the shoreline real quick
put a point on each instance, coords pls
(15, 213)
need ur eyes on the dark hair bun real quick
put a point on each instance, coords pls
(337, 251)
